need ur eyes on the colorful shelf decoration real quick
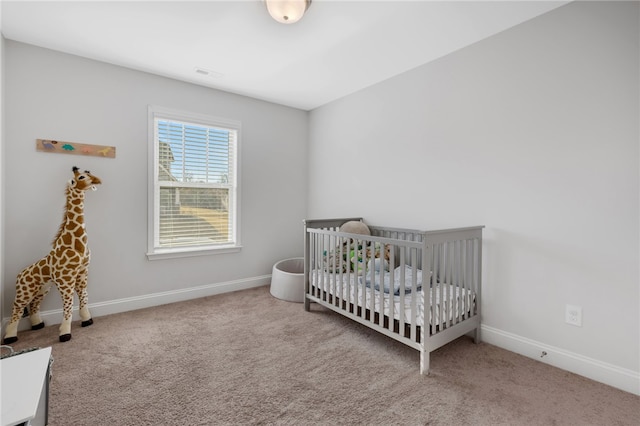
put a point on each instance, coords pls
(75, 148)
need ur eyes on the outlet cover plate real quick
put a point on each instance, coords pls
(573, 315)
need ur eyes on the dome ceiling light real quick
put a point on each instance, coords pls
(287, 11)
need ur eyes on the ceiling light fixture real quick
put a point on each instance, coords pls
(287, 11)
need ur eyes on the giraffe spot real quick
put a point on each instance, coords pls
(66, 238)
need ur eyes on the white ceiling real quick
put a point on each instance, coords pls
(338, 48)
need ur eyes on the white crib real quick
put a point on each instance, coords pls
(421, 288)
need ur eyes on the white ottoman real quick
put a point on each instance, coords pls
(287, 280)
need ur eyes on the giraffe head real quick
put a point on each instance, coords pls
(83, 181)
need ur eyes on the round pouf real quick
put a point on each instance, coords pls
(287, 280)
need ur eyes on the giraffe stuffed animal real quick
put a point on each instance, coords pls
(66, 266)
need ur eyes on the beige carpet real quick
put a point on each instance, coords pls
(248, 358)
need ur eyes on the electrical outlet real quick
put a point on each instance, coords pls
(573, 315)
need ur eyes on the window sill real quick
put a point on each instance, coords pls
(179, 253)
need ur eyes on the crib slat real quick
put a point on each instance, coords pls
(368, 253)
(343, 265)
(431, 281)
(469, 276)
(320, 282)
(326, 278)
(326, 241)
(449, 302)
(472, 277)
(339, 294)
(463, 280)
(453, 304)
(456, 283)
(392, 265)
(348, 273)
(360, 254)
(443, 289)
(443, 274)
(323, 278)
(401, 308)
(460, 283)
(381, 285)
(443, 279)
(447, 288)
(354, 276)
(478, 277)
(414, 293)
(451, 287)
(313, 260)
(469, 287)
(339, 278)
(427, 267)
(316, 291)
(336, 285)
(310, 262)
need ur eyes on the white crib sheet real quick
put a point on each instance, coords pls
(352, 285)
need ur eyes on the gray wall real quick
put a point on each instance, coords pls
(532, 133)
(51, 95)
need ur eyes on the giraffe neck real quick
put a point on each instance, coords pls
(72, 232)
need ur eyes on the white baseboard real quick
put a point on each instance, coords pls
(148, 300)
(602, 372)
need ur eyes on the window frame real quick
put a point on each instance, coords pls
(155, 252)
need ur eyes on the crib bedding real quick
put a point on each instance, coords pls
(365, 291)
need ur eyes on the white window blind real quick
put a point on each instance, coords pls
(195, 183)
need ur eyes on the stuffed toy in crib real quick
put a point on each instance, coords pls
(339, 260)
(379, 259)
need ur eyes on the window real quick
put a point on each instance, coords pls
(193, 203)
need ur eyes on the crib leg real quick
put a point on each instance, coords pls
(476, 335)
(307, 304)
(424, 362)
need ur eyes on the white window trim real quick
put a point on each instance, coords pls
(153, 252)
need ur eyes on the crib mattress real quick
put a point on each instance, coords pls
(449, 301)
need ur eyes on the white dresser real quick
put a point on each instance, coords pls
(24, 393)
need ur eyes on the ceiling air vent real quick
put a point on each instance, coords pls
(207, 73)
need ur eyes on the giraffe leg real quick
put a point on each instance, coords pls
(64, 275)
(26, 285)
(83, 297)
(64, 282)
(67, 312)
(11, 331)
(34, 307)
